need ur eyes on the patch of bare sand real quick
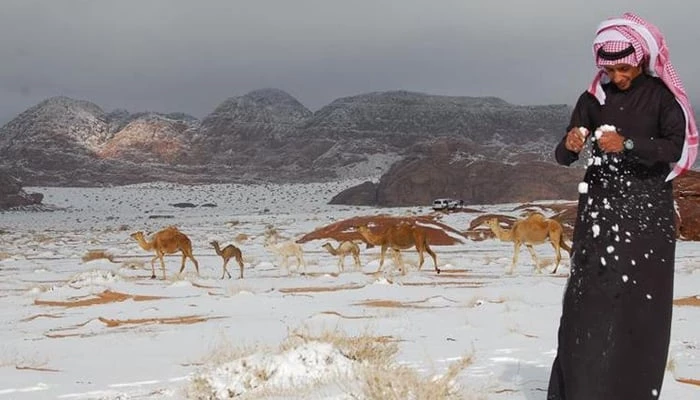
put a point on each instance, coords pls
(186, 320)
(60, 333)
(346, 316)
(693, 301)
(317, 289)
(33, 317)
(467, 284)
(199, 285)
(39, 369)
(105, 297)
(399, 304)
(689, 381)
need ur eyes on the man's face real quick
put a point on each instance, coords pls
(622, 74)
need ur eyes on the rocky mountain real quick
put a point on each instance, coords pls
(450, 167)
(152, 138)
(267, 135)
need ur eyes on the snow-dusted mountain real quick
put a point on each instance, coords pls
(267, 135)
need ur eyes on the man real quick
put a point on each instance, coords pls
(616, 320)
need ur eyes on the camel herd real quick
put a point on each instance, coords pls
(533, 230)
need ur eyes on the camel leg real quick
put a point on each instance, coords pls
(153, 266)
(534, 256)
(421, 259)
(341, 264)
(399, 261)
(356, 259)
(225, 271)
(381, 258)
(432, 254)
(285, 264)
(516, 250)
(557, 252)
(196, 264)
(240, 264)
(162, 264)
(301, 263)
(182, 266)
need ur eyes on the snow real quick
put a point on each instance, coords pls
(125, 336)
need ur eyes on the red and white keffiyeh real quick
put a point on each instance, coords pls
(616, 34)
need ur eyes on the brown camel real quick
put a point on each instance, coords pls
(227, 253)
(399, 237)
(535, 229)
(167, 241)
(344, 248)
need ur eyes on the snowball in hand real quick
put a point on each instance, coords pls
(604, 128)
(582, 187)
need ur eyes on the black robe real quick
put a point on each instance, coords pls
(616, 321)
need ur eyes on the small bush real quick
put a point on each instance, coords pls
(96, 255)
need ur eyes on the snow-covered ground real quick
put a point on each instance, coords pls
(101, 329)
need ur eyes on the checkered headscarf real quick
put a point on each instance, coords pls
(615, 35)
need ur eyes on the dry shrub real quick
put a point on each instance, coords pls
(97, 255)
(133, 264)
(241, 237)
(365, 348)
(225, 350)
(400, 382)
(4, 255)
(378, 376)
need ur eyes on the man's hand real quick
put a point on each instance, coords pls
(575, 140)
(611, 142)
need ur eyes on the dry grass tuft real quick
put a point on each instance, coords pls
(241, 237)
(365, 348)
(97, 255)
(224, 350)
(399, 382)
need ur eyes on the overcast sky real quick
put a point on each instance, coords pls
(189, 56)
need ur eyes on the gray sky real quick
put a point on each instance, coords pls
(189, 56)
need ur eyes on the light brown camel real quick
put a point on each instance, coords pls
(227, 253)
(344, 248)
(288, 249)
(399, 237)
(532, 230)
(167, 241)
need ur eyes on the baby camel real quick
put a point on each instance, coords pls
(167, 241)
(227, 253)
(288, 249)
(535, 229)
(399, 237)
(344, 248)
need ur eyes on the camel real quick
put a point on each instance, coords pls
(167, 241)
(399, 237)
(227, 253)
(344, 248)
(535, 229)
(288, 249)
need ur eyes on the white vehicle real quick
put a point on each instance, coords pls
(446, 204)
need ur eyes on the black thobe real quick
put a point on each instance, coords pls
(616, 320)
